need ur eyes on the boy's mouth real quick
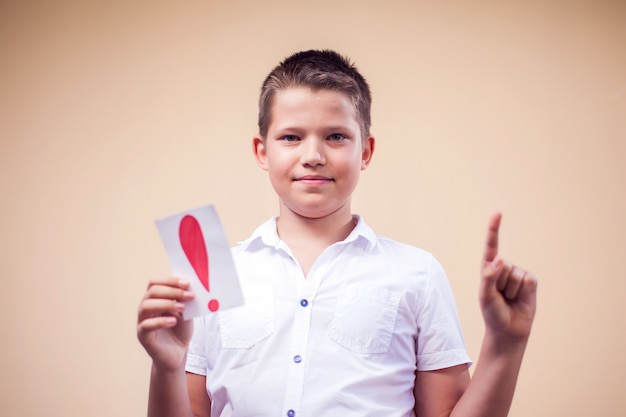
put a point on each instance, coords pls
(314, 179)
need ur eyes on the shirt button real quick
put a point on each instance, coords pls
(304, 302)
(297, 359)
(291, 413)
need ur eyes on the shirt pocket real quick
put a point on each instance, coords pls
(364, 318)
(243, 327)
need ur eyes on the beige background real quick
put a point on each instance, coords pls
(114, 113)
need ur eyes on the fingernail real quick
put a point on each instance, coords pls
(188, 294)
(180, 307)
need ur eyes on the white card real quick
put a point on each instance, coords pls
(198, 251)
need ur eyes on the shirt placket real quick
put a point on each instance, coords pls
(307, 290)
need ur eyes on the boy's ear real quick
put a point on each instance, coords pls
(368, 151)
(260, 154)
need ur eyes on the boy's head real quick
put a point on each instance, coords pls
(317, 70)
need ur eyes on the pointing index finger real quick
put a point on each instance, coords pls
(491, 244)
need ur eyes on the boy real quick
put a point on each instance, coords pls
(338, 321)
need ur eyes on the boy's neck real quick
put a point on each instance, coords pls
(299, 231)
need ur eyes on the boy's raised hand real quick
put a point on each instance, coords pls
(508, 293)
(160, 325)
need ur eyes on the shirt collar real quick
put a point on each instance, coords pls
(268, 234)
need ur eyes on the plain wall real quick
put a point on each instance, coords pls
(115, 113)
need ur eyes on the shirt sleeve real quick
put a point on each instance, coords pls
(196, 355)
(440, 341)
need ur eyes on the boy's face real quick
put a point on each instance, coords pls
(313, 151)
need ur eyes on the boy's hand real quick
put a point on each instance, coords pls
(160, 325)
(508, 293)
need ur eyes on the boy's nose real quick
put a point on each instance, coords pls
(313, 153)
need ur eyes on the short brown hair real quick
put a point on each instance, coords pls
(318, 70)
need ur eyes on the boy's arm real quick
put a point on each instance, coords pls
(178, 394)
(437, 392)
(200, 401)
(165, 336)
(508, 304)
(450, 392)
(168, 395)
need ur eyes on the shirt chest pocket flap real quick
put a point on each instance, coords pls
(243, 327)
(364, 318)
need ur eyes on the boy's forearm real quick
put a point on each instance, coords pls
(490, 391)
(168, 395)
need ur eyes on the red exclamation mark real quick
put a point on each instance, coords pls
(192, 242)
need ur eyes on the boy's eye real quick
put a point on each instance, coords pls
(290, 138)
(336, 137)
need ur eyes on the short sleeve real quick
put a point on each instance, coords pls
(440, 341)
(196, 355)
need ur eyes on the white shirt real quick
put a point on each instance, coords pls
(344, 341)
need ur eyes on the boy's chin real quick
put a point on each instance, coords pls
(305, 214)
(311, 213)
